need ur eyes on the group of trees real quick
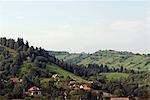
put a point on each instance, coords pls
(92, 69)
(10, 63)
(41, 57)
(123, 87)
(17, 45)
(95, 69)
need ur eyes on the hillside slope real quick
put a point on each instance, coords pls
(29, 61)
(108, 57)
(24, 68)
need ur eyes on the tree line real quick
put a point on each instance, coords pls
(41, 57)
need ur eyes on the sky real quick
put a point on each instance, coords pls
(78, 26)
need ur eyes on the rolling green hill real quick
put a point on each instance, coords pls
(108, 57)
(23, 66)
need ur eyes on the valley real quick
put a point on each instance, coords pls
(28, 72)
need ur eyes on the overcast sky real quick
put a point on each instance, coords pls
(81, 26)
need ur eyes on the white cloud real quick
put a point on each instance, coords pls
(148, 18)
(65, 27)
(125, 25)
(20, 17)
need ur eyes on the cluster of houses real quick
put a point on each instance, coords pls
(34, 90)
(37, 91)
(75, 85)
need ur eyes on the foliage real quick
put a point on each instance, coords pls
(23, 66)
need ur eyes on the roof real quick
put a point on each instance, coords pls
(85, 86)
(34, 88)
(119, 98)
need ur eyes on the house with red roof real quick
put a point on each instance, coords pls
(33, 91)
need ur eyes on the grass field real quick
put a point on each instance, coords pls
(111, 76)
(45, 80)
(60, 71)
(25, 68)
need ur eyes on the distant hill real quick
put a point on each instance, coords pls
(58, 53)
(108, 57)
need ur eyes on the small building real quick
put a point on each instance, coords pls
(81, 87)
(122, 98)
(33, 91)
(72, 82)
(74, 85)
(55, 76)
(85, 86)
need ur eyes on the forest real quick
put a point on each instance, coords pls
(28, 72)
